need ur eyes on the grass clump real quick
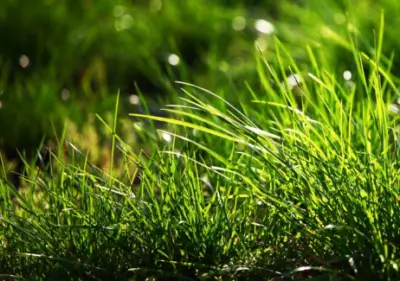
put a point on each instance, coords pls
(300, 181)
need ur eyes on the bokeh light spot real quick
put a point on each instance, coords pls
(166, 137)
(118, 11)
(347, 75)
(24, 61)
(126, 21)
(223, 66)
(293, 80)
(134, 99)
(155, 6)
(264, 26)
(238, 23)
(339, 18)
(173, 59)
(65, 94)
(261, 44)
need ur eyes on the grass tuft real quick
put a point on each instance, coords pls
(297, 180)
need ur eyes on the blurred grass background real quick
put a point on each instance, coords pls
(67, 60)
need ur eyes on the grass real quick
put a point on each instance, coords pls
(252, 173)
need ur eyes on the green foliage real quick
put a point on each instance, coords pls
(92, 49)
(283, 169)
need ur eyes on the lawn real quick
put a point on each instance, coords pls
(199, 140)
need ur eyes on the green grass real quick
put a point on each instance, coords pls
(248, 177)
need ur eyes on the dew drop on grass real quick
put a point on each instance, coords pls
(264, 26)
(173, 59)
(1, 104)
(239, 23)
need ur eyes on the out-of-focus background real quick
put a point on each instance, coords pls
(62, 62)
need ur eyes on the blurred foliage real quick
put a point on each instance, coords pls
(67, 59)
